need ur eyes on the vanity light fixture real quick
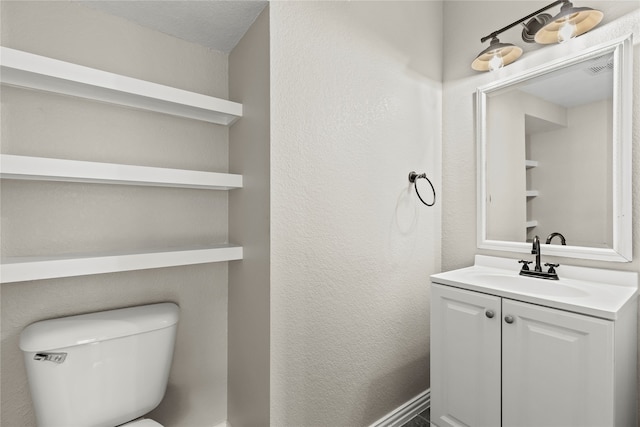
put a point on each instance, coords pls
(496, 56)
(569, 23)
(540, 28)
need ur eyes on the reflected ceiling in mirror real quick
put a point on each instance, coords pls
(551, 157)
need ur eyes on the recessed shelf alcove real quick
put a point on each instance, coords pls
(29, 71)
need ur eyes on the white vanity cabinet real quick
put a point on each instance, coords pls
(509, 361)
(465, 357)
(556, 360)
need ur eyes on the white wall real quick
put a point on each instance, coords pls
(355, 106)
(249, 225)
(54, 218)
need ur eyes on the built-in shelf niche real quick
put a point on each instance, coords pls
(23, 69)
(45, 169)
(20, 269)
(29, 71)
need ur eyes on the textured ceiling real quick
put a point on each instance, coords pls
(216, 24)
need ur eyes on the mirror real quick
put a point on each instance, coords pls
(554, 156)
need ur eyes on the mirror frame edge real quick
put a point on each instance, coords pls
(622, 49)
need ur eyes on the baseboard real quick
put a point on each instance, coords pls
(396, 418)
(405, 412)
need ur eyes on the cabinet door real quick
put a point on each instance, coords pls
(557, 368)
(465, 358)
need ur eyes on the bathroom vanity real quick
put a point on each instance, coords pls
(509, 350)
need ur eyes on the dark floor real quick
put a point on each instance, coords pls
(420, 420)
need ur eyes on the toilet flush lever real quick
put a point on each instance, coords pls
(50, 357)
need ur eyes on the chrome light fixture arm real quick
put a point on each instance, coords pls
(521, 20)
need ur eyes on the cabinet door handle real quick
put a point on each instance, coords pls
(489, 314)
(508, 319)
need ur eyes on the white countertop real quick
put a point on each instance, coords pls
(594, 292)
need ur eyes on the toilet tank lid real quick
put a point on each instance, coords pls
(82, 329)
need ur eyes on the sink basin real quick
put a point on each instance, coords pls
(595, 292)
(528, 285)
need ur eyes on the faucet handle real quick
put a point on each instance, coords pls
(552, 267)
(525, 264)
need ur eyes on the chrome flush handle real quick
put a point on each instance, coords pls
(51, 357)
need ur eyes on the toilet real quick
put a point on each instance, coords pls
(101, 369)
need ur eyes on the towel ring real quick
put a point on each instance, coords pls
(413, 177)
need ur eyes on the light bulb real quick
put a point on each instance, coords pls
(566, 32)
(496, 62)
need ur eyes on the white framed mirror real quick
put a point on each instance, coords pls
(554, 156)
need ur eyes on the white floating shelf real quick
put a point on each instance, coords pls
(20, 269)
(44, 169)
(532, 223)
(531, 164)
(31, 71)
(533, 193)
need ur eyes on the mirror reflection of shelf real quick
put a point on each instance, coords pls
(532, 193)
(532, 223)
(531, 164)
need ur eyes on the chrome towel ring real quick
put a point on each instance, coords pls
(413, 177)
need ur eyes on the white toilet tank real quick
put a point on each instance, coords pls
(99, 369)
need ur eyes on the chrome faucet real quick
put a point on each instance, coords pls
(556, 234)
(537, 271)
(535, 250)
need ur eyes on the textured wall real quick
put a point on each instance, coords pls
(355, 106)
(54, 218)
